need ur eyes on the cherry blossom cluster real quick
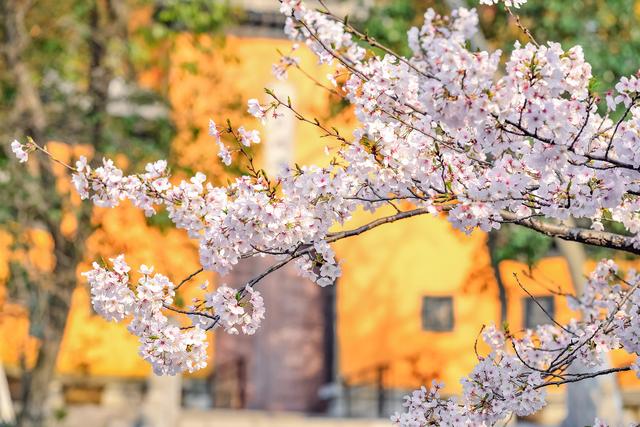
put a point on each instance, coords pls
(169, 348)
(511, 379)
(235, 310)
(508, 3)
(166, 346)
(320, 32)
(245, 219)
(279, 70)
(445, 123)
(448, 129)
(20, 150)
(425, 407)
(110, 293)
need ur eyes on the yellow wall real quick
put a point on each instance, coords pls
(549, 275)
(390, 269)
(386, 271)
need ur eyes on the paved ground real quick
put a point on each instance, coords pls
(220, 418)
(92, 416)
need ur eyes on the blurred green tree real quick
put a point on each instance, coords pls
(608, 30)
(69, 72)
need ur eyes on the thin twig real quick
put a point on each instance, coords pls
(189, 277)
(540, 305)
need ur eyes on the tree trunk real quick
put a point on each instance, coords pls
(36, 382)
(29, 117)
(492, 242)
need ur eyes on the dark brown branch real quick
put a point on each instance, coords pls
(592, 237)
(191, 313)
(579, 377)
(603, 239)
(189, 277)
(332, 237)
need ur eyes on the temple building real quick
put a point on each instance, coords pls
(407, 309)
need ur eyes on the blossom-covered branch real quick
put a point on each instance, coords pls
(447, 131)
(512, 378)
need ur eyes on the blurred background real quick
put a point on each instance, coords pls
(138, 80)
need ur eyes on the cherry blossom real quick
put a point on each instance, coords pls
(110, 293)
(255, 109)
(508, 3)
(248, 137)
(512, 378)
(453, 131)
(168, 347)
(234, 310)
(19, 151)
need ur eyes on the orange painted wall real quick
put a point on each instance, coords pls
(389, 270)
(386, 271)
(227, 76)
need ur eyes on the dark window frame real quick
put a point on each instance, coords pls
(533, 315)
(437, 313)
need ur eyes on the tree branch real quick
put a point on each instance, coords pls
(332, 237)
(580, 377)
(575, 234)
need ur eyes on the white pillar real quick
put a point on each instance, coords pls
(6, 406)
(594, 397)
(280, 133)
(162, 402)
